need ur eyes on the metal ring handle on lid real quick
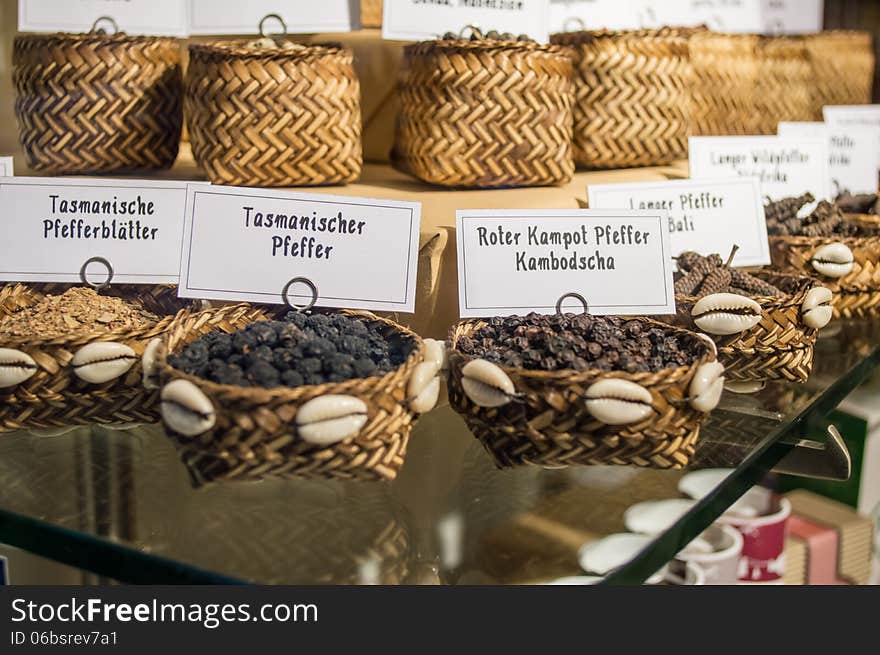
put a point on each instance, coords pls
(276, 17)
(576, 296)
(100, 30)
(474, 30)
(84, 275)
(577, 21)
(285, 294)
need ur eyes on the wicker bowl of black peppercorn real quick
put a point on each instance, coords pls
(311, 395)
(578, 389)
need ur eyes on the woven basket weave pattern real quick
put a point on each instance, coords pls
(632, 97)
(779, 347)
(253, 436)
(784, 87)
(55, 397)
(857, 294)
(98, 104)
(485, 114)
(275, 117)
(843, 69)
(550, 426)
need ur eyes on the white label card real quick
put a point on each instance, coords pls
(792, 16)
(418, 20)
(720, 15)
(849, 115)
(6, 167)
(786, 166)
(571, 15)
(853, 155)
(50, 227)
(520, 261)
(300, 17)
(706, 216)
(245, 244)
(154, 17)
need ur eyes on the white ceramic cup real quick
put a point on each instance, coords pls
(720, 565)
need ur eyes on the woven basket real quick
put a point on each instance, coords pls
(784, 86)
(485, 114)
(856, 294)
(253, 435)
(55, 397)
(725, 76)
(274, 117)
(94, 103)
(779, 347)
(842, 62)
(632, 96)
(371, 13)
(548, 424)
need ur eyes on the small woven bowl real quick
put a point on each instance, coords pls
(98, 103)
(485, 114)
(779, 347)
(857, 293)
(547, 423)
(253, 433)
(56, 396)
(272, 116)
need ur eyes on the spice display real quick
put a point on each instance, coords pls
(860, 203)
(800, 217)
(701, 276)
(301, 349)
(77, 309)
(579, 342)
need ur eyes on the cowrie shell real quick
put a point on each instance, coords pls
(706, 387)
(744, 386)
(186, 409)
(423, 388)
(618, 402)
(807, 209)
(103, 361)
(816, 308)
(726, 313)
(710, 341)
(486, 384)
(148, 364)
(329, 419)
(15, 367)
(435, 351)
(833, 260)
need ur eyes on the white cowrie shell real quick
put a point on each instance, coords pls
(186, 409)
(833, 260)
(710, 341)
(618, 402)
(103, 361)
(726, 313)
(816, 308)
(329, 419)
(706, 387)
(148, 364)
(744, 386)
(427, 398)
(486, 384)
(807, 209)
(435, 351)
(15, 367)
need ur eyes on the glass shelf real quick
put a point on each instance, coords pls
(120, 504)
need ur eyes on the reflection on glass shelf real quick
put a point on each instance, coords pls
(121, 504)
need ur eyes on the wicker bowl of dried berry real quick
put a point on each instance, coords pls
(764, 324)
(819, 240)
(579, 389)
(72, 356)
(321, 395)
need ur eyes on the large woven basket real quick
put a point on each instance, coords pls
(725, 76)
(842, 63)
(371, 13)
(856, 294)
(255, 435)
(54, 396)
(779, 347)
(784, 86)
(274, 116)
(547, 424)
(485, 113)
(632, 96)
(95, 103)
